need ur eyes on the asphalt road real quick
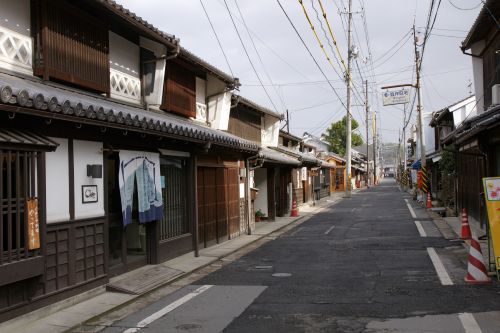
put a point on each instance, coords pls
(361, 265)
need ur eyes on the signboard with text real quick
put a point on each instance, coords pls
(392, 97)
(492, 196)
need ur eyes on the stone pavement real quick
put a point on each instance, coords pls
(74, 311)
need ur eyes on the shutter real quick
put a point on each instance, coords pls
(180, 91)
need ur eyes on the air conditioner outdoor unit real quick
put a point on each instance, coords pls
(495, 94)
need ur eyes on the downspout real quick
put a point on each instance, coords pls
(260, 161)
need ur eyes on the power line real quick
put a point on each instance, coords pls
(258, 54)
(217, 37)
(309, 51)
(460, 8)
(248, 56)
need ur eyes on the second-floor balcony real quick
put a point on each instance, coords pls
(15, 51)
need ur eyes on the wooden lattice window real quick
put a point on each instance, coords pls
(179, 90)
(70, 45)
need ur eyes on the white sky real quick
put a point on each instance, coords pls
(446, 71)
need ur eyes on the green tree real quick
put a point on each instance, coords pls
(336, 136)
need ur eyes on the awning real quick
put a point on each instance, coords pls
(273, 156)
(47, 99)
(16, 139)
(416, 165)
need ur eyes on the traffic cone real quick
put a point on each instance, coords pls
(476, 269)
(466, 234)
(295, 211)
(429, 202)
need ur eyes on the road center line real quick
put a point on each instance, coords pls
(172, 306)
(439, 267)
(469, 323)
(330, 229)
(412, 212)
(420, 228)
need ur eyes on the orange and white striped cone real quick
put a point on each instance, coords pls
(476, 269)
(466, 234)
(429, 201)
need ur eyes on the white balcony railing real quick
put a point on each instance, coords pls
(201, 112)
(15, 51)
(124, 86)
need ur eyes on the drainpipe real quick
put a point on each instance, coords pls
(260, 161)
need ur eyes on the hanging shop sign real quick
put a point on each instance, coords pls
(492, 197)
(33, 224)
(396, 97)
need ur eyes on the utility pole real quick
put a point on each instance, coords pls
(287, 122)
(374, 130)
(419, 104)
(367, 139)
(348, 118)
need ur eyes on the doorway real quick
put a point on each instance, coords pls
(128, 246)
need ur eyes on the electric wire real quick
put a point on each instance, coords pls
(216, 37)
(309, 51)
(258, 56)
(248, 56)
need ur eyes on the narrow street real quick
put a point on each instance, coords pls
(361, 265)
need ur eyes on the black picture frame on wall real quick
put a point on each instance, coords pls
(89, 194)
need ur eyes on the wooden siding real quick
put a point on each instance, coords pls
(245, 124)
(491, 70)
(218, 204)
(72, 46)
(470, 183)
(179, 95)
(75, 254)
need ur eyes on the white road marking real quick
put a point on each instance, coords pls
(172, 306)
(420, 228)
(412, 212)
(330, 229)
(439, 267)
(469, 323)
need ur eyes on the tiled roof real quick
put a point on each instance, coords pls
(27, 139)
(257, 107)
(485, 21)
(303, 157)
(124, 12)
(273, 156)
(228, 79)
(474, 125)
(50, 100)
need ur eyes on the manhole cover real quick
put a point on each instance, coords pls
(282, 274)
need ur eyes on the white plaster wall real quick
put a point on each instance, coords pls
(87, 152)
(260, 177)
(57, 178)
(123, 55)
(201, 90)
(430, 139)
(270, 131)
(15, 15)
(219, 107)
(477, 70)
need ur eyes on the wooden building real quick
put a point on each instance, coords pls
(111, 159)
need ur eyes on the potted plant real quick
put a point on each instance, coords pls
(258, 215)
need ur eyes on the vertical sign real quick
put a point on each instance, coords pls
(33, 224)
(492, 196)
